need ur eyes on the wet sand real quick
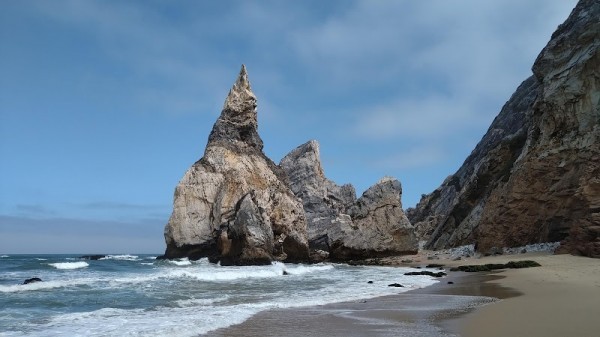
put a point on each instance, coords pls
(561, 298)
(429, 311)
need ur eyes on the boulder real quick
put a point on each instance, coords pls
(92, 257)
(234, 203)
(32, 280)
(397, 285)
(377, 226)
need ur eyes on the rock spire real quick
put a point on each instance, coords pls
(233, 205)
(238, 122)
(341, 225)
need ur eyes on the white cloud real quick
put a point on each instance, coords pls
(436, 68)
(426, 119)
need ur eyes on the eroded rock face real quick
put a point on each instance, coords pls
(233, 204)
(323, 200)
(346, 228)
(449, 215)
(378, 225)
(535, 176)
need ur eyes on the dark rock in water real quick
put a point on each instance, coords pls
(285, 273)
(32, 280)
(535, 175)
(92, 257)
(425, 272)
(496, 266)
(370, 282)
(397, 285)
(434, 265)
(450, 282)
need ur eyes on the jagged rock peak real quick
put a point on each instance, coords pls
(240, 94)
(386, 179)
(306, 156)
(233, 205)
(238, 122)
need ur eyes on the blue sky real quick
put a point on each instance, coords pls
(105, 104)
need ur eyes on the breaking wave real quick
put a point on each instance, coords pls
(125, 257)
(69, 265)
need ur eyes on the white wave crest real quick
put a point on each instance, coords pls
(125, 257)
(301, 269)
(69, 265)
(147, 263)
(40, 259)
(44, 285)
(200, 301)
(3, 256)
(181, 262)
(138, 322)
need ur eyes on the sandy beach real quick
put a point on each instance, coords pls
(560, 298)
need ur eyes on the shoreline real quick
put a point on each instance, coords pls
(429, 311)
(559, 298)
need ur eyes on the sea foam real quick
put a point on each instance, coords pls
(44, 285)
(124, 257)
(181, 262)
(69, 265)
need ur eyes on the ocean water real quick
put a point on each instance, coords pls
(137, 295)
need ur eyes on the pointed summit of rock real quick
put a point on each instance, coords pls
(233, 205)
(240, 95)
(238, 122)
(341, 226)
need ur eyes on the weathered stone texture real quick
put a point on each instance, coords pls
(535, 176)
(235, 194)
(338, 223)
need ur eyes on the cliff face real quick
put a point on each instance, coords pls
(233, 205)
(340, 224)
(535, 175)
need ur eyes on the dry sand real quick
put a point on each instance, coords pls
(561, 298)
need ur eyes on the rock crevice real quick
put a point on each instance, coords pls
(338, 223)
(534, 177)
(233, 202)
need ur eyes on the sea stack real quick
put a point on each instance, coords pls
(341, 226)
(535, 175)
(233, 205)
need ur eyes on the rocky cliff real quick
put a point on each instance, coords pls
(338, 223)
(535, 175)
(233, 205)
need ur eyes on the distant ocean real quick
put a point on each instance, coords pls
(137, 295)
